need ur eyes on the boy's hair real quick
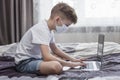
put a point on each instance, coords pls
(64, 10)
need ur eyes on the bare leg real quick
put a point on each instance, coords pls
(51, 67)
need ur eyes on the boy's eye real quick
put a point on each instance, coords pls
(66, 25)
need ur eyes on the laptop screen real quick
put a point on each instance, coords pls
(100, 48)
(100, 45)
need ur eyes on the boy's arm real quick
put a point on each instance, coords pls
(47, 56)
(62, 54)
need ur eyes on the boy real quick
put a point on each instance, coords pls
(33, 54)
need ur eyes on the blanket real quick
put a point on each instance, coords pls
(111, 62)
(7, 68)
(111, 67)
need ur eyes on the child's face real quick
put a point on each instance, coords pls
(61, 25)
(59, 21)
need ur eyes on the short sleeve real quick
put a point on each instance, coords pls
(52, 37)
(40, 37)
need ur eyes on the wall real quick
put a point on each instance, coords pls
(90, 35)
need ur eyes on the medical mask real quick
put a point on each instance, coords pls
(62, 28)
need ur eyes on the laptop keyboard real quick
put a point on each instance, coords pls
(88, 66)
(73, 78)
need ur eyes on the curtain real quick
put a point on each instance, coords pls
(16, 17)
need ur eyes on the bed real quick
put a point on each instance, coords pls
(79, 50)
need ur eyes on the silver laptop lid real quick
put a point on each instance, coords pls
(100, 45)
(100, 49)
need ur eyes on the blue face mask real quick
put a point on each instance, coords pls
(62, 28)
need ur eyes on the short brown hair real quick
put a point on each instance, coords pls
(66, 10)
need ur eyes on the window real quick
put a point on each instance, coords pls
(89, 12)
(102, 8)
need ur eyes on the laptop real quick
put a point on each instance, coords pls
(73, 78)
(92, 65)
(96, 65)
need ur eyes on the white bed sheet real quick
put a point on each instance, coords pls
(81, 49)
(89, 49)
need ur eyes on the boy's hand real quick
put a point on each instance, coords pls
(79, 60)
(74, 64)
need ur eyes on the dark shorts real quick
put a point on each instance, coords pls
(31, 65)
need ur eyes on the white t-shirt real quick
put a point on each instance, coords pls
(29, 46)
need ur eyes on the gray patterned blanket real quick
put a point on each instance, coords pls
(111, 64)
(111, 67)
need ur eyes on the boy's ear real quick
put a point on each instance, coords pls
(57, 18)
